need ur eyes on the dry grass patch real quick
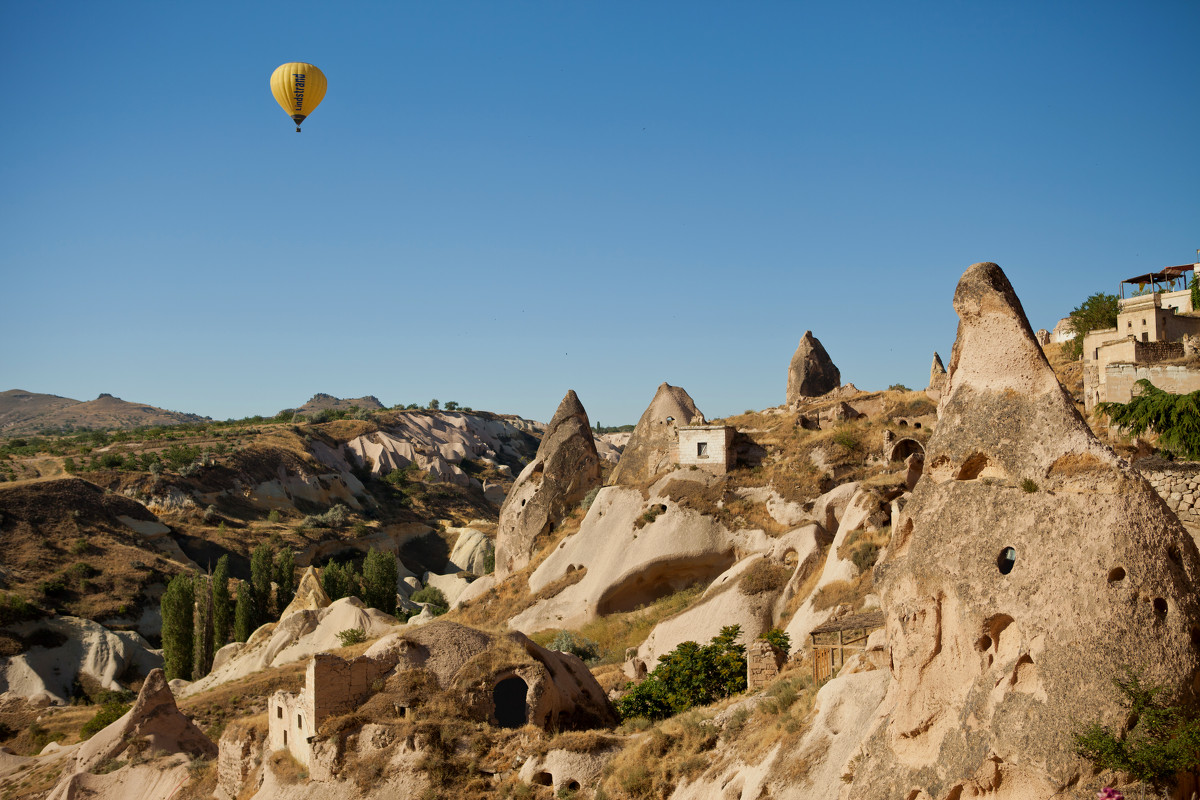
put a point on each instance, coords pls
(763, 576)
(219, 706)
(850, 593)
(780, 719)
(652, 765)
(287, 769)
(572, 577)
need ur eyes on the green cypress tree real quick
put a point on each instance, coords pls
(243, 614)
(379, 581)
(177, 604)
(222, 604)
(260, 582)
(333, 581)
(202, 631)
(285, 579)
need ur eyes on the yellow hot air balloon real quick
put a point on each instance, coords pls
(299, 88)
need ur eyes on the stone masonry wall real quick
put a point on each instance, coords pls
(1178, 483)
(1175, 378)
(337, 686)
(719, 451)
(763, 663)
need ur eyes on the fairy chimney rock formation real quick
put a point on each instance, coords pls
(653, 445)
(812, 372)
(937, 375)
(1029, 565)
(564, 470)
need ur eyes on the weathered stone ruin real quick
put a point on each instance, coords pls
(565, 469)
(812, 372)
(506, 681)
(763, 663)
(654, 444)
(1029, 565)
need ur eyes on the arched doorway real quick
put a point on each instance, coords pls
(905, 448)
(509, 698)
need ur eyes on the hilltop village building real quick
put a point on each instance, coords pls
(1156, 332)
(707, 446)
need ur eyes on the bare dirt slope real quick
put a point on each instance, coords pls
(27, 412)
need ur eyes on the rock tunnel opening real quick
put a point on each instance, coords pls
(509, 698)
(905, 448)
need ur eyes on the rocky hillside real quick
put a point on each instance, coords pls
(909, 595)
(24, 412)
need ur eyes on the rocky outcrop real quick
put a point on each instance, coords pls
(155, 719)
(63, 648)
(654, 444)
(310, 596)
(1028, 566)
(564, 470)
(473, 551)
(937, 375)
(812, 372)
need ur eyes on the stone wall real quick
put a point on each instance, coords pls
(1153, 352)
(1176, 378)
(332, 686)
(707, 446)
(1178, 483)
(763, 662)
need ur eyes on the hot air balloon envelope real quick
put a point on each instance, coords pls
(298, 88)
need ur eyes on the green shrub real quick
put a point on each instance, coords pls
(865, 555)
(335, 517)
(352, 636)
(1028, 486)
(589, 498)
(846, 438)
(567, 642)
(14, 608)
(690, 675)
(274, 515)
(1174, 417)
(779, 638)
(108, 714)
(1157, 741)
(434, 597)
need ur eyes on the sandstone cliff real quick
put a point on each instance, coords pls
(653, 446)
(564, 470)
(1029, 565)
(812, 372)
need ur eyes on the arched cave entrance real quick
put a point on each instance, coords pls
(509, 698)
(905, 448)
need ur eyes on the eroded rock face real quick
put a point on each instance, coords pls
(812, 372)
(937, 375)
(1029, 564)
(565, 469)
(653, 446)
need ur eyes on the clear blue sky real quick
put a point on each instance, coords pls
(500, 201)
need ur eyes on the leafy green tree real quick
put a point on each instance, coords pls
(202, 631)
(690, 675)
(434, 597)
(451, 405)
(1174, 417)
(222, 604)
(177, 625)
(1195, 287)
(779, 638)
(379, 578)
(434, 404)
(1095, 313)
(340, 580)
(1157, 742)
(285, 578)
(243, 613)
(260, 582)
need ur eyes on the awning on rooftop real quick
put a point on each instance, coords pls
(1163, 275)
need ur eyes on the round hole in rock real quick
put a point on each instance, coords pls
(509, 698)
(1160, 606)
(1116, 574)
(573, 786)
(1006, 560)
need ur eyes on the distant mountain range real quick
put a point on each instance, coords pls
(24, 412)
